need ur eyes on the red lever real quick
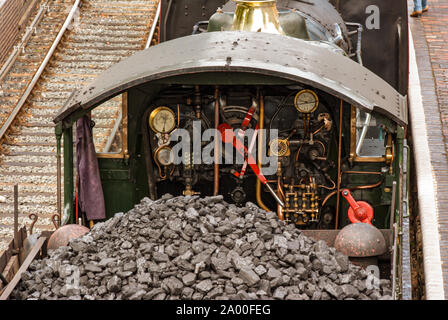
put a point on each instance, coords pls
(228, 136)
(359, 211)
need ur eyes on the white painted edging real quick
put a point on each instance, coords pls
(425, 183)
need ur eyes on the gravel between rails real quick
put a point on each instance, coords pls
(105, 32)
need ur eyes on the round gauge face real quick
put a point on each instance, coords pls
(165, 156)
(306, 101)
(162, 120)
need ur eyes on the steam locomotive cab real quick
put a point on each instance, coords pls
(263, 105)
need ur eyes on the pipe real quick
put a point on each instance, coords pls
(148, 156)
(68, 176)
(260, 154)
(339, 167)
(39, 72)
(282, 195)
(216, 166)
(166, 18)
(370, 186)
(59, 174)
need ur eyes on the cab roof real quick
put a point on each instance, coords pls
(252, 53)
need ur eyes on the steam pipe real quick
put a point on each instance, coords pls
(338, 195)
(260, 154)
(216, 167)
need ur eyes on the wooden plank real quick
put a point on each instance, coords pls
(7, 291)
(11, 268)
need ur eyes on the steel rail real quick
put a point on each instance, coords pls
(154, 25)
(36, 77)
(29, 31)
(147, 45)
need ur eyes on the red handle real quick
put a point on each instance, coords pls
(359, 211)
(228, 136)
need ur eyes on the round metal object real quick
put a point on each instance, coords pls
(360, 240)
(162, 120)
(64, 234)
(306, 101)
(279, 148)
(164, 156)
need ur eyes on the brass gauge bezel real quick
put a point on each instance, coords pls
(153, 115)
(296, 104)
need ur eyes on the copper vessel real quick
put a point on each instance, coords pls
(257, 16)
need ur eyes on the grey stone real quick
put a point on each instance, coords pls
(126, 245)
(349, 291)
(280, 293)
(248, 276)
(204, 286)
(114, 284)
(334, 290)
(189, 279)
(260, 270)
(92, 268)
(273, 273)
(173, 285)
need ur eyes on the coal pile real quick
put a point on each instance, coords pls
(196, 248)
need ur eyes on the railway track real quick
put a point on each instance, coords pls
(102, 33)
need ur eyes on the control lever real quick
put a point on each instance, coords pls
(228, 136)
(359, 211)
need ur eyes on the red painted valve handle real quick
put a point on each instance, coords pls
(359, 211)
(228, 136)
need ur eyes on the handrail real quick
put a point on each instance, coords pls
(36, 77)
(120, 116)
(15, 53)
(113, 133)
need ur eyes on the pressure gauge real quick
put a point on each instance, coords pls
(162, 120)
(279, 148)
(164, 156)
(306, 101)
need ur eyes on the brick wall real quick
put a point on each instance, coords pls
(13, 18)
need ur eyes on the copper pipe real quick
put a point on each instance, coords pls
(216, 167)
(339, 166)
(317, 131)
(328, 188)
(323, 146)
(260, 154)
(282, 196)
(298, 152)
(369, 186)
(362, 172)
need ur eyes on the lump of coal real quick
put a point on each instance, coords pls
(196, 248)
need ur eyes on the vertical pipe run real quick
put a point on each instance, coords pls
(59, 173)
(216, 153)
(260, 153)
(68, 176)
(338, 194)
